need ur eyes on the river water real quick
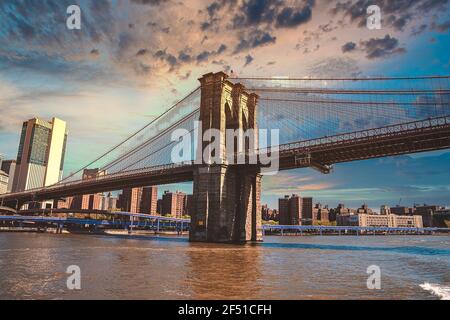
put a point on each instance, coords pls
(33, 266)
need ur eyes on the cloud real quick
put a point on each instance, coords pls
(441, 27)
(417, 30)
(168, 58)
(349, 46)
(381, 47)
(253, 39)
(397, 14)
(289, 17)
(277, 13)
(335, 67)
(205, 55)
(142, 52)
(248, 60)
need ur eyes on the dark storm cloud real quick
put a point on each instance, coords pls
(349, 46)
(381, 47)
(248, 59)
(398, 23)
(289, 17)
(397, 14)
(95, 52)
(184, 56)
(254, 39)
(253, 13)
(221, 49)
(205, 55)
(170, 59)
(279, 13)
(142, 52)
(205, 26)
(216, 6)
(213, 10)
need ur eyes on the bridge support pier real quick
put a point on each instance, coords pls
(226, 192)
(227, 201)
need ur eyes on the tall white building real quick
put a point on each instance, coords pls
(40, 158)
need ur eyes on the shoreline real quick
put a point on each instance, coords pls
(115, 232)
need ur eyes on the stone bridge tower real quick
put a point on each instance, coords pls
(226, 195)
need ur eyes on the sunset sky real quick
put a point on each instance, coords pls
(132, 59)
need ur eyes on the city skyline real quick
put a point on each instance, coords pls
(233, 156)
(119, 62)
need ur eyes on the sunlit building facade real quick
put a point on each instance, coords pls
(40, 159)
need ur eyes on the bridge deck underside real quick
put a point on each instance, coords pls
(139, 179)
(360, 148)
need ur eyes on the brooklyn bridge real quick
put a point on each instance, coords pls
(321, 122)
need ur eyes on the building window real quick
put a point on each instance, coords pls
(22, 142)
(40, 141)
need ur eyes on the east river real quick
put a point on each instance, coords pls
(33, 266)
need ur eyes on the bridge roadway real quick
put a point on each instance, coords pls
(321, 153)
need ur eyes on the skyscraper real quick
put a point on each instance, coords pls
(40, 158)
(9, 167)
(283, 209)
(149, 200)
(131, 199)
(174, 204)
(139, 200)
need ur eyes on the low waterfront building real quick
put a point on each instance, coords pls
(295, 210)
(427, 212)
(364, 209)
(131, 200)
(401, 210)
(84, 202)
(174, 204)
(385, 210)
(321, 214)
(149, 200)
(381, 221)
(268, 214)
(109, 202)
